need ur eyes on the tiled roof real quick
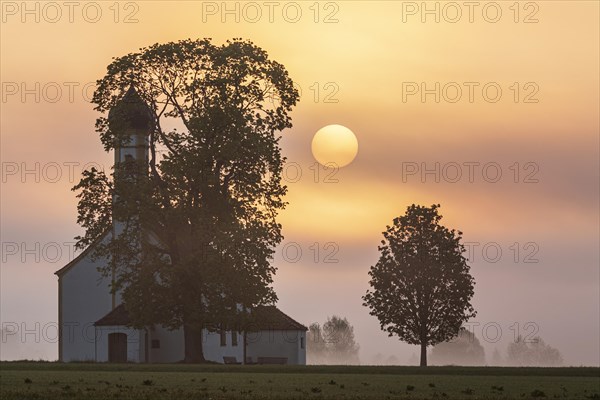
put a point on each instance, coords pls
(272, 318)
(263, 318)
(118, 316)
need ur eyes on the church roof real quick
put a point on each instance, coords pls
(272, 318)
(263, 318)
(118, 316)
(81, 255)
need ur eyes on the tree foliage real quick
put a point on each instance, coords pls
(196, 224)
(421, 286)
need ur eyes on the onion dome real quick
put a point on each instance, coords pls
(131, 112)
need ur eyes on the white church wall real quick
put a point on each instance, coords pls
(84, 298)
(213, 351)
(135, 343)
(137, 148)
(170, 345)
(276, 343)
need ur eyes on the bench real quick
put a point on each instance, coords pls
(230, 360)
(272, 360)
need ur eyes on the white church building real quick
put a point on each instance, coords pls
(95, 326)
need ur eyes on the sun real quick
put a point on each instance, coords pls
(334, 144)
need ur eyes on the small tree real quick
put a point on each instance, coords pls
(341, 345)
(421, 287)
(333, 343)
(532, 353)
(463, 349)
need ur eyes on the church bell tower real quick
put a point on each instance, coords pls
(130, 121)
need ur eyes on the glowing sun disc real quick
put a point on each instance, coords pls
(334, 144)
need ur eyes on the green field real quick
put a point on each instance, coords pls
(40, 380)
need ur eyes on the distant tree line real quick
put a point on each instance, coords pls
(535, 353)
(465, 349)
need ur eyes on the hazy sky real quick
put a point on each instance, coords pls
(510, 149)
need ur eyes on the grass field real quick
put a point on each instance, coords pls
(43, 380)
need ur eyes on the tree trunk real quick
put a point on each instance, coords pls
(423, 354)
(193, 345)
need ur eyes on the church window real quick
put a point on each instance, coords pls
(223, 337)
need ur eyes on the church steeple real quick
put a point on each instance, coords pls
(130, 121)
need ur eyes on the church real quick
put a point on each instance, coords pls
(94, 325)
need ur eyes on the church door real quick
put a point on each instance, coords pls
(117, 347)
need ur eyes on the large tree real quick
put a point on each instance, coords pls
(197, 222)
(421, 287)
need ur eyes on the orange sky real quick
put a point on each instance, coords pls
(370, 57)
